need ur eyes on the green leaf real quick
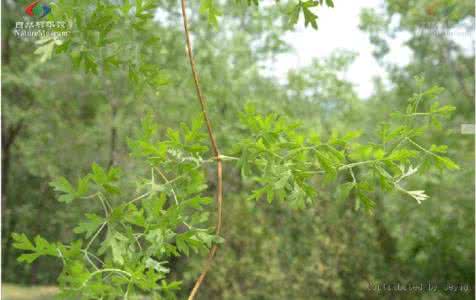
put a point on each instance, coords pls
(196, 202)
(41, 248)
(170, 287)
(28, 257)
(337, 156)
(117, 214)
(256, 194)
(283, 180)
(448, 163)
(62, 185)
(118, 245)
(181, 244)
(135, 216)
(83, 187)
(439, 148)
(294, 14)
(156, 265)
(153, 206)
(208, 8)
(362, 190)
(309, 16)
(89, 227)
(402, 155)
(90, 64)
(269, 195)
(44, 247)
(327, 165)
(75, 274)
(330, 3)
(21, 241)
(365, 200)
(106, 180)
(446, 109)
(345, 189)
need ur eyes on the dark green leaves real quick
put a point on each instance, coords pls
(447, 163)
(130, 242)
(62, 185)
(185, 144)
(309, 16)
(286, 162)
(294, 14)
(329, 3)
(90, 226)
(402, 155)
(328, 162)
(105, 179)
(68, 192)
(209, 9)
(194, 240)
(306, 8)
(41, 247)
(133, 240)
(362, 191)
(22, 242)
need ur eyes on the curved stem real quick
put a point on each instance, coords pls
(216, 152)
(95, 236)
(139, 198)
(173, 192)
(168, 182)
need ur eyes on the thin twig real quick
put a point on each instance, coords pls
(350, 166)
(119, 271)
(421, 148)
(216, 152)
(101, 196)
(95, 236)
(103, 202)
(174, 195)
(93, 256)
(139, 198)
(167, 182)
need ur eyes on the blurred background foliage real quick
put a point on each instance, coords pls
(57, 120)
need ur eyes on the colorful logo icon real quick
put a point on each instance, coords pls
(37, 10)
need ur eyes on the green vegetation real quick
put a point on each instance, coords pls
(117, 182)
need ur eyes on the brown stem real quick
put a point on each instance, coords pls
(216, 152)
(9, 136)
(113, 141)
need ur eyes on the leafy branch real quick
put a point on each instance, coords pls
(284, 161)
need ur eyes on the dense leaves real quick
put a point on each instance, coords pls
(131, 243)
(141, 235)
(284, 162)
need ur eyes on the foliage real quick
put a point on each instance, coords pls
(165, 220)
(131, 227)
(136, 239)
(285, 162)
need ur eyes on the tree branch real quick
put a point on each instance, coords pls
(216, 152)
